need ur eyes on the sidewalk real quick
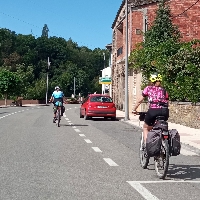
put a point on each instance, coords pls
(189, 136)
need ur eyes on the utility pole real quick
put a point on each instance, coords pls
(74, 86)
(48, 65)
(104, 59)
(126, 69)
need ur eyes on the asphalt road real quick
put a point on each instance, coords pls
(82, 160)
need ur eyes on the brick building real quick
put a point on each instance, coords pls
(141, 13)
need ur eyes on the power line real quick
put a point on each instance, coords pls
(186, 9)
(41, 29)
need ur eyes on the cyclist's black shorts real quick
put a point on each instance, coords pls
(152, 113)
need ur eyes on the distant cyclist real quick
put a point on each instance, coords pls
(158, 103)
(55, 97)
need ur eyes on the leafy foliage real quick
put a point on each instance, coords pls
(10, 83)
(26, 57)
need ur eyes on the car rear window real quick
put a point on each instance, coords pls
(101, 99)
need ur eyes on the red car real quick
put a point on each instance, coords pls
(98, 105)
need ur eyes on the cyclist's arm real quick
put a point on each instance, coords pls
(141, 98)
(52, 98)
(139, 101)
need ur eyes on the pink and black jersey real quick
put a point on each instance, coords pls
(157, 96)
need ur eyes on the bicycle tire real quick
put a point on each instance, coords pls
(58, 117)
(144, 159)
(164, 157)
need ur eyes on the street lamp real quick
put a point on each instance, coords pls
(126, 68)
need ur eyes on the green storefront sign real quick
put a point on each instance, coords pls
(105, 80)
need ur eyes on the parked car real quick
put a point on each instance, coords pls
(98, 105)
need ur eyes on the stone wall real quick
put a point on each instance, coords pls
(2, 102)
(183, 113)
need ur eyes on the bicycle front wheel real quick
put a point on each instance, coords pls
(162, 161)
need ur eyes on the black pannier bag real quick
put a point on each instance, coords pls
(153, 143)
(175, 142)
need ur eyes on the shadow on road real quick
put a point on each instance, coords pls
(73, 125)
(3, 113)
(104, 119)
(185, 172)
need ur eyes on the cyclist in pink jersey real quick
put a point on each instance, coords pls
(158, 103)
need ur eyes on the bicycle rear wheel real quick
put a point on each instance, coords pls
(162, 161)
(58, 117)
(144, 159)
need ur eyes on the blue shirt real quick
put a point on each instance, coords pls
(58, 94)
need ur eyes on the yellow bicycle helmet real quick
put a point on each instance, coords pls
(155, 77)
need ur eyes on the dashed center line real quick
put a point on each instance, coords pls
(82, 135)
(96, 149)
(111, 162)
(88, 141)
(77, 130)
(73, 126)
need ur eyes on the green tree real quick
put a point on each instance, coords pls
(161, 42)
(45, 31)
(10, 84)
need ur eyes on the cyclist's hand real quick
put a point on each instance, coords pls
(134, 112)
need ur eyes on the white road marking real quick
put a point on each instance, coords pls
(82, 135)
(111, 162)
(27, 109)
(75, 107)
(70, 108)
(163, 181)
(22, 110)
(12, 113)
(38, 107)
(19, 111)
(77, 130)
(9, 114)
(143, 191)
(187, 153)
(96, 149)
(70, 123)
(66, 118)
(64, 115)
(32, 108)
(88, 141)
(73, 126)
(15, 112)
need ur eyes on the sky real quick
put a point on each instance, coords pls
(86, 22)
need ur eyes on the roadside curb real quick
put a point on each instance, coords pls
(183, 145)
